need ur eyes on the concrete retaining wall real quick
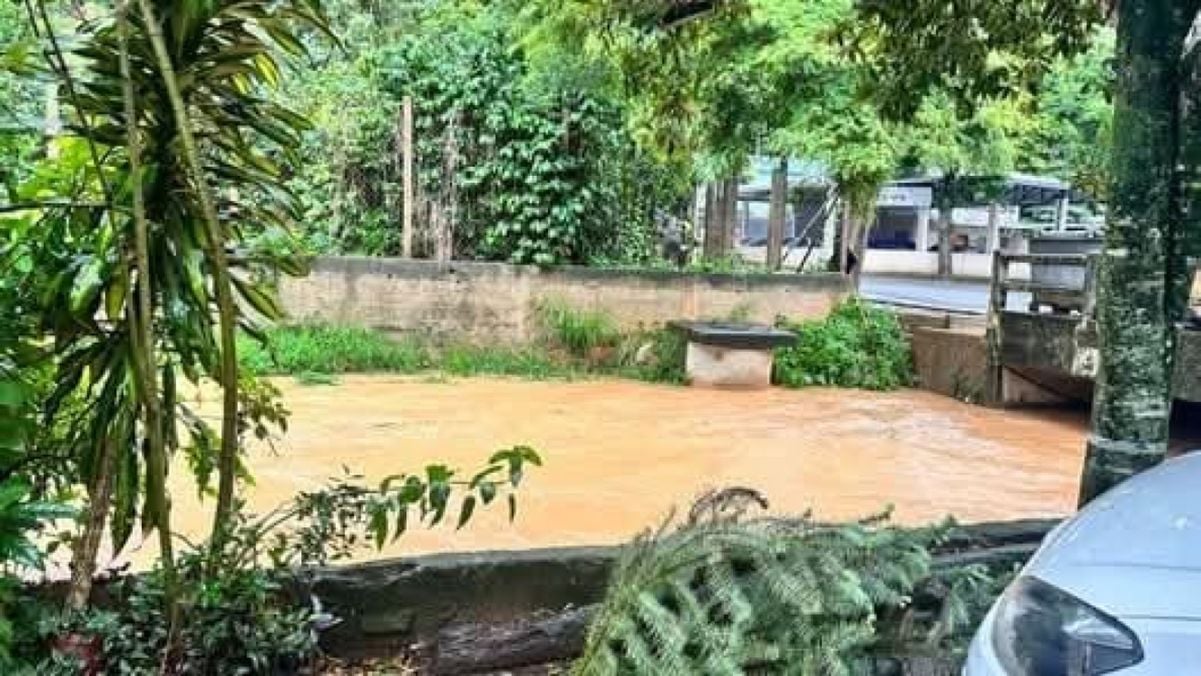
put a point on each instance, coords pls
(953, 362)
(387, 607)
(495, 302)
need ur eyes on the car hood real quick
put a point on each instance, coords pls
(1135, 551)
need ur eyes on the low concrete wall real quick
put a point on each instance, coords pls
(925, 264)
(893, 262)
(953, 362)
(386, 607)
(495, 301)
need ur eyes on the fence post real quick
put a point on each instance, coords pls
(406, 126)
(998, 299)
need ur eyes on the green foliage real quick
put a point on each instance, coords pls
(530, 177)
(254, 616)
(543, 172)
(856, 346)
(67, 261)
(22, 518)
(1075, 118)
(717, 593)
(914, 48)
(240, 622)
(20, 120)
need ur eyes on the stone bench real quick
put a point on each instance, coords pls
(724, 354)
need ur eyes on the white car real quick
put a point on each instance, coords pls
(1116, 589)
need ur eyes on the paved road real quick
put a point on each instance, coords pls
(966, 296)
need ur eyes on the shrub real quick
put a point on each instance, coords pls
(856, 346)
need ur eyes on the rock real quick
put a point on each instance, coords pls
(543, 639)
(645, 356)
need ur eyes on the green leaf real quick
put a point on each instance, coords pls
(87, 286)
(467, 510)
(402, 520)
(378, 524)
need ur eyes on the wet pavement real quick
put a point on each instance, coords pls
(619, 455)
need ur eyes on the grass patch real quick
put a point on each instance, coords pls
(857, 346)
(326, 349)
(468, 360)
(315, 353)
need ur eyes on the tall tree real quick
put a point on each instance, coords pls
(1143, 263)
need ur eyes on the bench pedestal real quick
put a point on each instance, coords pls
(731, 355)
(712, 366)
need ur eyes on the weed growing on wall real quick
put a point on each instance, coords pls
(580, 332)
(857, 346)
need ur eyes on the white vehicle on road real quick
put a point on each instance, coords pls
(1114, 590)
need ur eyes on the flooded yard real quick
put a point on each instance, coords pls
(619, 455)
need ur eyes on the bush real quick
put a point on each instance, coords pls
(856, 346)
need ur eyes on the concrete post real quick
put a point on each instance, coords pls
(409, 176)
(776, 215)
(994, 227)
(1061, 214)
(921, 237)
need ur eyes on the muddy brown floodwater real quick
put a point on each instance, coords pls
(619, 455)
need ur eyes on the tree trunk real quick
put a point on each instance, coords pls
(1186, 242)
(408, 173)
(862, 231)
(944, 237)
(83, 561)
(1132, 404)
(730, 218)
(156, 455)
(712, 224)
(448, 198)
(777, 214)
(843, 238)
